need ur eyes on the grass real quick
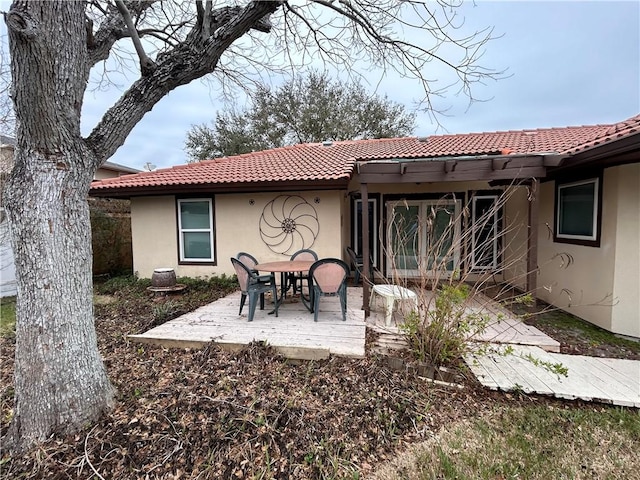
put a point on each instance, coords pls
(537, 442)
(7, 316)
(561, 320)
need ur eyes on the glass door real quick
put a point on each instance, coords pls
(423, 238)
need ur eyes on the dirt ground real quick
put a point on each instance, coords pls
(212, 414)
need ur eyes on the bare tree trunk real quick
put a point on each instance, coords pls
(60, 379)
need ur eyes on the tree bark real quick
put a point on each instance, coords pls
(60, 379)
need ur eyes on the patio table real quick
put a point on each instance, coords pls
(283, 267)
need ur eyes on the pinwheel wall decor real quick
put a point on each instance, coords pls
(289, 223)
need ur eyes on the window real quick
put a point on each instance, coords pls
(195, 224)
(577, 209)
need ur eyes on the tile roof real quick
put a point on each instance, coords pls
(313, 162)
(611, 133)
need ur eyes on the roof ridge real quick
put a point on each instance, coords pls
(521, 131)
(359, 140)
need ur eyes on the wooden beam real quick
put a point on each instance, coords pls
(366, 267)
(454, 170)
(457, 176)
(450, 166)
(500, 163)
(532, 241)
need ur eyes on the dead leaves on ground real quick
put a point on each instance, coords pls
(251, 414)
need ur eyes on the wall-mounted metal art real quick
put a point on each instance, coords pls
(289, 223)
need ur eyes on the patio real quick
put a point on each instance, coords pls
(294, 333)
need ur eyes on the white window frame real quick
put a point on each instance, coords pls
(494, 263)
(596, 206)
(209, 230)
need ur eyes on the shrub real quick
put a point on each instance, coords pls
(440, 334)
(115, 284)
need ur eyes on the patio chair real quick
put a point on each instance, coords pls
(297, 279)
(250, 261)
(357, 264)
(251, 286)
(328, 278)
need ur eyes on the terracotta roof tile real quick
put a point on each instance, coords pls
(610, 133)
(334, 162)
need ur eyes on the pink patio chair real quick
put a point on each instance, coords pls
(250, 261)
(328, 278)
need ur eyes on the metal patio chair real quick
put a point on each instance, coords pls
(355, 262)
(251, 286)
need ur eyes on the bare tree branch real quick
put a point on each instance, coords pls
(112, 27)
(147, 66)
(230, 24)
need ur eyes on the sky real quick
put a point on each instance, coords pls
(567, 63)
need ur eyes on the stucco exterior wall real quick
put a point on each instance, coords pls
(603, 282)
(625, 315)
(514, 247)
(237, 227)
(154, 240)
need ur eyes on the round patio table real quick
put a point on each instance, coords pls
(286, 266)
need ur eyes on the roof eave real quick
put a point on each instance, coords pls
(219, 188)
(609, 154)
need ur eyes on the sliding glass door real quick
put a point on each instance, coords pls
(423, 238)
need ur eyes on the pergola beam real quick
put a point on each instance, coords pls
(366, 267)
(488, 169)
(532, 240)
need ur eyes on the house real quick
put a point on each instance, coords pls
(555, 211)
(7, 269)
